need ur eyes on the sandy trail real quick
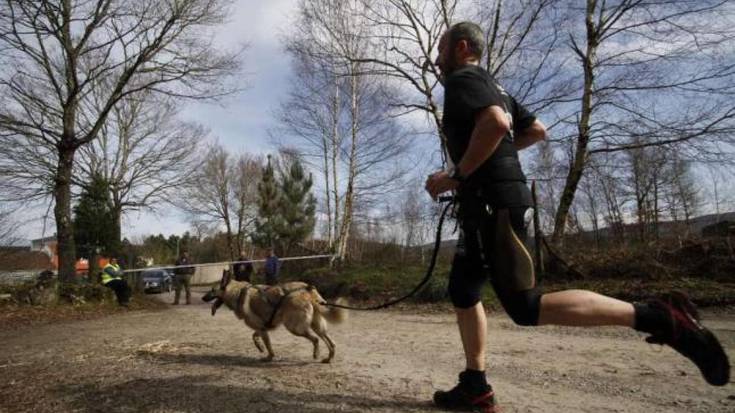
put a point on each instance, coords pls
(184, 360)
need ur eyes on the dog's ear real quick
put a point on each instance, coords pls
(216, 304)
(225, 279)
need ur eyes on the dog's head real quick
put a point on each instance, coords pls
(215, 294)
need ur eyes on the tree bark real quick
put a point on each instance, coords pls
(580, 154)
(66, 248)
(116, 212)
(350, 193)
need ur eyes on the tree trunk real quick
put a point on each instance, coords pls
(335, 131)
(116, 234)
(62, 213)
(580, 154)
(335, 187)
(349, 195)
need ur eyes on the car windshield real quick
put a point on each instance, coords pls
(153, 274)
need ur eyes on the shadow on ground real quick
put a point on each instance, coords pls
(219, 360)
(200, 394)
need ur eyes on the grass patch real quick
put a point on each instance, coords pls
(703, 292)
(15, 316)
(379, 283)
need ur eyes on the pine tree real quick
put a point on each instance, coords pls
(296, 207)
(94, 223)
(265, 234)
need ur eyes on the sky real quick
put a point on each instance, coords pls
(241, 122)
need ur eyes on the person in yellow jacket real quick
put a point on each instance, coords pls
(112, 278)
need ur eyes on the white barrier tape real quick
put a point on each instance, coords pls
(212, 264)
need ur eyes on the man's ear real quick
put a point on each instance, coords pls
(462, 48)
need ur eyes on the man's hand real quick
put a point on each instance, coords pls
(440, 182)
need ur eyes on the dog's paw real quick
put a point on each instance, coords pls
(327, 360)
(256, 341)
(267, 359)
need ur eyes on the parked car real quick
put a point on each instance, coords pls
(157, 281)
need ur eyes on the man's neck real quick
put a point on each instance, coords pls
(466, 63)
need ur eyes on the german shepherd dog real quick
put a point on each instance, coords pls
(296, 305)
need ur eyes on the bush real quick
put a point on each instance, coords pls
(377, 283)
(434, 291)
(81, 292)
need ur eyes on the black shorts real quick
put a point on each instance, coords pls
(483, 252)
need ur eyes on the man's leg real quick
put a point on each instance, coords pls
(466, 279)
(125, 293)
(187, 287)
(473, 331)
(118, 286)
(671, 320)
(177, 289)
(585, 308)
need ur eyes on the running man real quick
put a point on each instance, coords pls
(485, 128)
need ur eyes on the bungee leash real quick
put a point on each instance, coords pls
(427, 276)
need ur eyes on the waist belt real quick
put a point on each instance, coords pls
(503, 169)
(497, 195)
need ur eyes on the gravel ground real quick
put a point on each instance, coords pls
(184, 360)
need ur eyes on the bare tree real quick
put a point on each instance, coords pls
(683, 195)
(67, 50)
(8, 227)
(645, 182)
(144, 152)
(311, 122)
(403, 37)
(246, 174)
(223, 193)
(351, 132)
(523, 37)
(652, 75)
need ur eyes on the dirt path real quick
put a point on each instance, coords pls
(184, 360)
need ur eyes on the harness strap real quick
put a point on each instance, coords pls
(241, 302)
(269, 324)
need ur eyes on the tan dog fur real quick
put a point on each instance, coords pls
(300, 311)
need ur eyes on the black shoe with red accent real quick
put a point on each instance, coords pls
(687, 336)
(466, 398)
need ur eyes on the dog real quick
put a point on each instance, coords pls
(296, 305)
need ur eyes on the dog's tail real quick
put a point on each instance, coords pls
(334, 315)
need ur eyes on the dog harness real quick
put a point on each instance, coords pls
(276, 305)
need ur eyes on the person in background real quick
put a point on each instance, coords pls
(243, 270)
(183, 277)
(272, 265)
(112, 277)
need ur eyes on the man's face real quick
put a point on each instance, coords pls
(447, 58)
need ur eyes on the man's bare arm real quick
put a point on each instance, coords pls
(529, 136)
(491, 125)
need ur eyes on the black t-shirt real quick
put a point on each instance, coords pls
(468, 90)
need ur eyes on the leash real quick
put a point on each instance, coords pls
(427, 276)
